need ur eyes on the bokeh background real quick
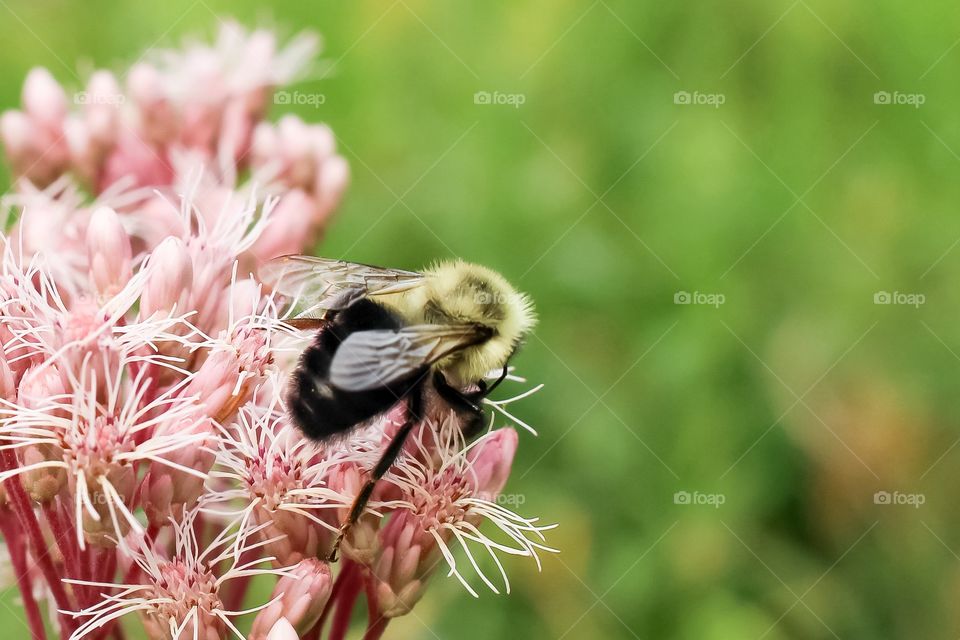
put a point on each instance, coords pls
(781, 196)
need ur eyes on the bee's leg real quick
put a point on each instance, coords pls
(387, 458)
(308, 324)
(467, 405)
(488, 389)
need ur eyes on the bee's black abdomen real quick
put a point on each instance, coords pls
(322, 410)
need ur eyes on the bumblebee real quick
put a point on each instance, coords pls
(386, 336)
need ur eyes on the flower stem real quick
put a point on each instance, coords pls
(108, 564)
(18, 558)
(342, 576)
(375, 631)
(238, 591)
(41, 554)
(376, 621)
(67, 545)
(348, 598)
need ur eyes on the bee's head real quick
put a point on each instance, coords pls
(469, 293)
(463, 293)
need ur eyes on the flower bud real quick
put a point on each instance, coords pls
(44, 99)
(133, 157)
(16, 131)
(145, 85)
(82, 150)
(207, 295)
(8, 383)
(290, 229)
(296, 536)
(408, 556)
(332, 178)
(170, 278)
(236, 130)
(169, 492)
(492, 460)
(361, 544)
(38, 153)
(155, 220)
(258, 56)
(215, 384)
(266, 143)
(158, 118)
(101, 531)
(299, 600)
(43, 485)
(39, 385)
(282, 630)
(108, 251)
(102, 110)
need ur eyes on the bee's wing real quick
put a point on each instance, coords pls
(379, 358)
(323, 284)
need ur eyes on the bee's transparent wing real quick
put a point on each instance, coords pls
(379, 358)
(315, 285)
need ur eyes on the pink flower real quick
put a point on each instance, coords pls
(447, 492)
(157, 117)
(293, 227)
(303, 159)
(143, 369)
(298, 600)
(170, 277)
(34, 138)
(281, 485)
(44, 99)
(293, 150)
(133, 157)
(181, 595)
(108, 252)
(174, 488)
(92, 133)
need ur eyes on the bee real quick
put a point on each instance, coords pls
(387, 336)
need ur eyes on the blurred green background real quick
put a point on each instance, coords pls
(785, 190)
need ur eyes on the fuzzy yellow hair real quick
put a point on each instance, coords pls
(461, 292)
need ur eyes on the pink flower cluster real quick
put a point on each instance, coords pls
(147, 463)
